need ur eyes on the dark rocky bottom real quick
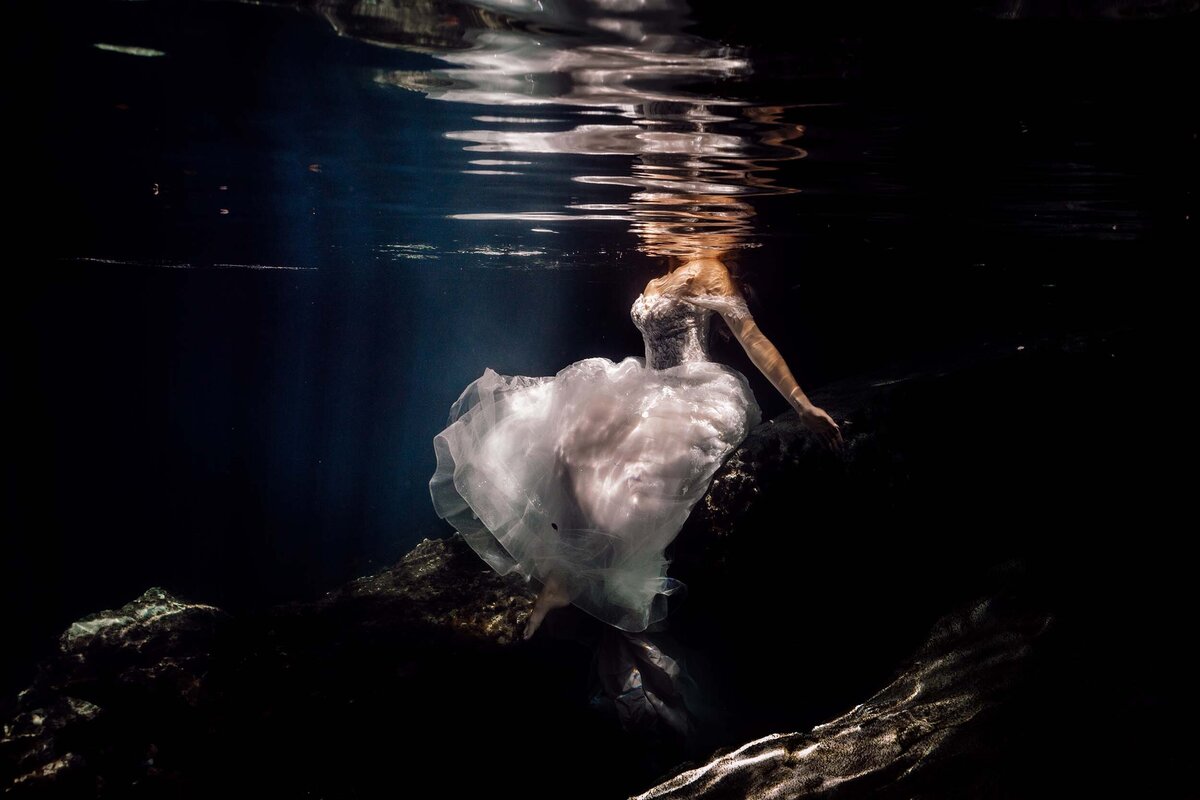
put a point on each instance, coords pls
(980, 598)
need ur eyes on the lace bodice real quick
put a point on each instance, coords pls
(675, 327)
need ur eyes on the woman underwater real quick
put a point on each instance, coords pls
(580, 480)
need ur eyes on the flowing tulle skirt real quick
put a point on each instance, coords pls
(589, 474)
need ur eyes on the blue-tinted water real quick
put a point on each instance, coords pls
(278, 242)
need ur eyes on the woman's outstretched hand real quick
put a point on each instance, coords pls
(822, 426)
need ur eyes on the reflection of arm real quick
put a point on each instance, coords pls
(766, 357)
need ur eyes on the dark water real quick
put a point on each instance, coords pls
(258, 257)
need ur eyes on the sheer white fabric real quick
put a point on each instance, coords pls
(591, 473)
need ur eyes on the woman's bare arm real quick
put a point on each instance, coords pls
(771, 363)
(712, 278)
(768, 359)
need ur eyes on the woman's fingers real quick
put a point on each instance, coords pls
(835, 435)
(825, 428)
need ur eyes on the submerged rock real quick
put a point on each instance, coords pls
(443, 584)
(281, 695)
(811, 577)
(138, 698)
(923, 735)
(149, 658)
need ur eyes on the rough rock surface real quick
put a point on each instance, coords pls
(137, 696)
(148, 658)
(811, 577)
(906, 738)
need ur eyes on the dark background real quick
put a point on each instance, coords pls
(244, 436)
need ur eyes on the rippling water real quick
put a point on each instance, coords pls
(282, 237)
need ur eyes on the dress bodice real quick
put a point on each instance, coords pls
(675, 327)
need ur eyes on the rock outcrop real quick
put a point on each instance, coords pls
(923, 735)
(811, 577)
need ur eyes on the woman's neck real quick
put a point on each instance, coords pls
(682, 275)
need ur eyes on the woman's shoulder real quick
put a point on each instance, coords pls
(731, 305)
(712, 279)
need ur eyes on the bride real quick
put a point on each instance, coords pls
(581, 479)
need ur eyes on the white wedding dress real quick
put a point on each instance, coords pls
(591, 473)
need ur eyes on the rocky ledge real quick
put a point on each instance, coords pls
(814, 580)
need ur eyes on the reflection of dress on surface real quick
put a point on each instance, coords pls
(591, 473)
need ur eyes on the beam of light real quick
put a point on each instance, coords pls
(143, 52)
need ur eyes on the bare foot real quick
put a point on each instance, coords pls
(554, 595)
